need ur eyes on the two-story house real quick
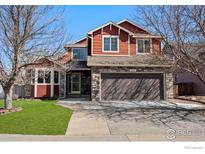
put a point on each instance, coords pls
(116, 61)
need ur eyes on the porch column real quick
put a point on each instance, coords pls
(52, 83)
(35, 82)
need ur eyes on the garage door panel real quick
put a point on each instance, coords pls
(130, 89)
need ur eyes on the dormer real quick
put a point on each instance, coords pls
(77, 51)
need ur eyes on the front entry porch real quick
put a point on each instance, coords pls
(78, 84)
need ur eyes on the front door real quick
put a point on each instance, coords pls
(75, 83)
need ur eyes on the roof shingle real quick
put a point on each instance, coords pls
(141, 60)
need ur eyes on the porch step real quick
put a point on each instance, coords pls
(77, 96)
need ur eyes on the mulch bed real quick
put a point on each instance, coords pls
(6, 111)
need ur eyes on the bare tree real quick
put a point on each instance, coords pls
(183, 30)
(27, 33)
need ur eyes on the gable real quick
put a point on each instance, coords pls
(110, 25)
(132, 27)
(107, 30)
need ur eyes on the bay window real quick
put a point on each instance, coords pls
(47, 76)
(44, 76)
(40, 76)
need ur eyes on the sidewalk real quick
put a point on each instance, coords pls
(87, 123)
(60, 138)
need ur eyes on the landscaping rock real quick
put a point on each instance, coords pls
(6, 111)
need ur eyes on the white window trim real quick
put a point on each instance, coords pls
(144, 46)
(79, 59)
(111, 36)
(33, 83)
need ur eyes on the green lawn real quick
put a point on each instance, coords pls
(37, 117)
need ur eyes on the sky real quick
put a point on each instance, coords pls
(81, 19)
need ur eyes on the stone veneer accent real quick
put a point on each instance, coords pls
(96, 78)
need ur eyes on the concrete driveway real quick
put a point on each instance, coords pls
(136, 121)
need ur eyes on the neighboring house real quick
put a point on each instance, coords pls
(186, 77)
(116, 61)
(18, 91)
(188, 83)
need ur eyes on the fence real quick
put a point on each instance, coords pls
(18, 91)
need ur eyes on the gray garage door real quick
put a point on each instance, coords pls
(132, 86)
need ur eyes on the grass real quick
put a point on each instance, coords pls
(37, 118)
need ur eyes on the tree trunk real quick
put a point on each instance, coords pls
(8, 98)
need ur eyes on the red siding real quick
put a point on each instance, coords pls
(110, 30)
(199, 87)
(97, 40)
(123, 40)
(32, 90)
(132, 46)
(123, 43)
(43, 91)
(132, 28)
(156, 45)
(67, 57)
(83, 41)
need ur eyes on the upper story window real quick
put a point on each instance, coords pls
(143, 46)
(110, 43)
(80, 53)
